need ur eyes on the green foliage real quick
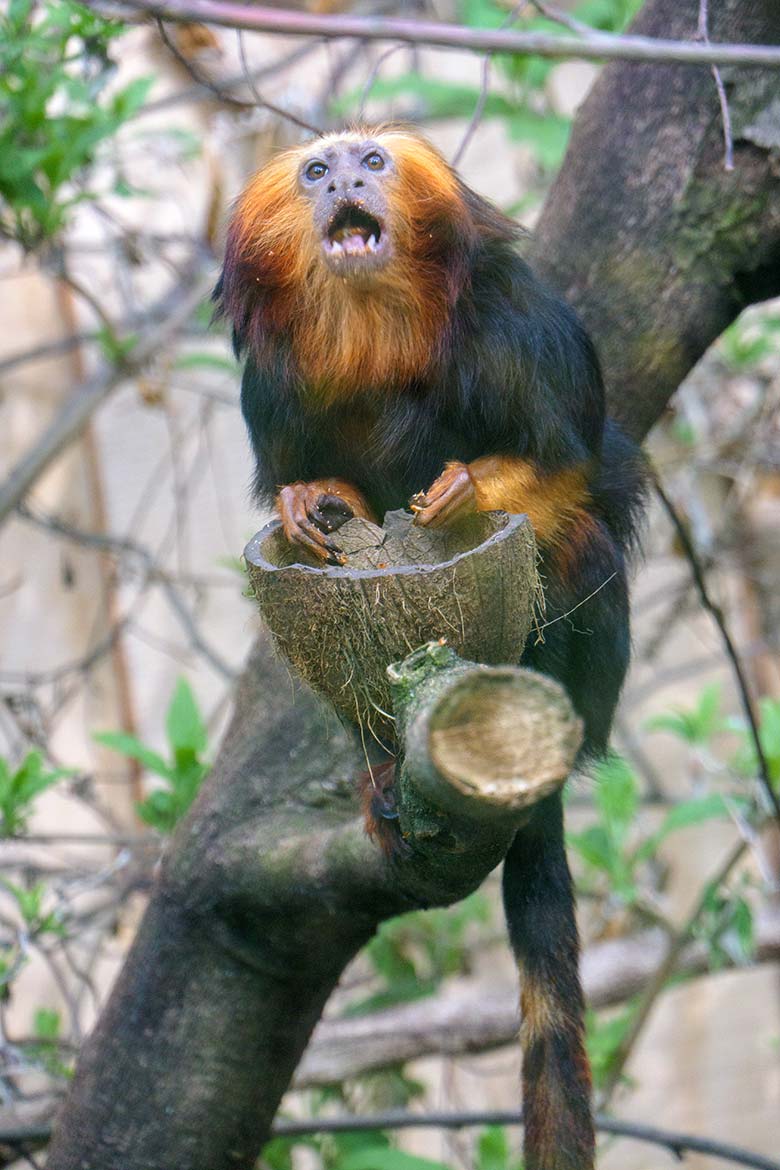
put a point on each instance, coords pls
(747, 342)
(45, 1048)
(385, 1158)
(30, 903)
(521, 102)
(604, 1039)
(613, 849)
(19, 789)
(607, 15)
(726, 926)
(182, 774)
(413, 953)
(745, 760)
(493, 1151)
(696, 725)
(370, 1150)
(54, 111)
(207, 361)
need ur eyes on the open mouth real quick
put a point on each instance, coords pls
(353, 232)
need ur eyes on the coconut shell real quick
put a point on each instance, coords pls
(473, 585)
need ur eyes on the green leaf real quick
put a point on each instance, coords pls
(385, 1158)
(277, 1154)
(682, 816)
(47, 1024)
(186, 730)
(210, 361)
(29, 900)
(604, 1038)
(128, 745)
(617, 795)
(594, 846)
(19, 790)
(546, 134)
(695, 725)
(130, 99)
(492, 1150)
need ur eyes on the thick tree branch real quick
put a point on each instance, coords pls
(270, 887)
(653, 241)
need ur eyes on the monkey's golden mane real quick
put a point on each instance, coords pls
(349, 336)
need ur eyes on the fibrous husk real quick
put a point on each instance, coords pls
(473, 585)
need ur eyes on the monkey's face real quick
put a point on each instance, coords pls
(347, 182)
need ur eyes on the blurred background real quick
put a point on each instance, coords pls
(123, 617)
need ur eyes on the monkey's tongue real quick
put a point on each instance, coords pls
(354, 243)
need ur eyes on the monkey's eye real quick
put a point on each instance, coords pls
(374, 161)
(315, 170)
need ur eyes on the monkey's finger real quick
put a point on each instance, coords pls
(312, 532)
(437, 490)
(445, 508)
(299, 530)
(323, 550)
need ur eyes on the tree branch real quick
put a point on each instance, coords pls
(656, 245)
(595, 46)
(73, 416)
(256, 912)
(478, 1015)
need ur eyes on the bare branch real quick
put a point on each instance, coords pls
(594, 47)
(703, 34)
(718, 617)
(223, 93)
(81, 405)
(476, 1015)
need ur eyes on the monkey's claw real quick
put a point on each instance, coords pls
(450, 496)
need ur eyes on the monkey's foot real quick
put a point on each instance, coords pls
(449, 497)
(380, 815)
(309, 515)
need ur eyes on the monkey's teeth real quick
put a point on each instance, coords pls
(371, 243)
(336, 246)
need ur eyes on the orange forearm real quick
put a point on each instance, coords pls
(553, 501)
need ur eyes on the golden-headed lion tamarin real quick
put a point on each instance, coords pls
(400, 352)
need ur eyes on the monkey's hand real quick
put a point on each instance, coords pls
(448, 498)
(310, 512)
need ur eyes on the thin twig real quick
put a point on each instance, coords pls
(156, 575)
(728, 644)
(169, 316)
(372, 76)
(595, 46)
(664, 971)
(34, 1136)
(223, 94)
(677, 1143)
(703, 35)
(479, 109)
(564, 18)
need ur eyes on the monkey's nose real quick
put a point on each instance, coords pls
(344, 185)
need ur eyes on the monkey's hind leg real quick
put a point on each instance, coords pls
(539, 905)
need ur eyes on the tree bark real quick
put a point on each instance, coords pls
(270, 887)
(645, 232)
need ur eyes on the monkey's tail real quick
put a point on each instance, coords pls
(539, 906)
